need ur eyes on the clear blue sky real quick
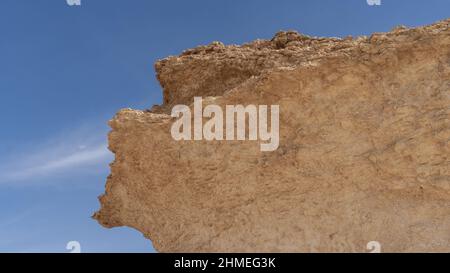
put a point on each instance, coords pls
(65, 70)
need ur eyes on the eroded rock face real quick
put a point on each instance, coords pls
(364, 149)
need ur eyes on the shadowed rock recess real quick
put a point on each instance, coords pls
(364, 150)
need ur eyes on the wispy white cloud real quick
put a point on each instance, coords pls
(80, 150)
(51, 165)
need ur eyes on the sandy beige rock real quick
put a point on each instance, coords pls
(364, 149)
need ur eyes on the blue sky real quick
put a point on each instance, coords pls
(65, 70)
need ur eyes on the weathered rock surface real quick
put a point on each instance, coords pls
(364, 149)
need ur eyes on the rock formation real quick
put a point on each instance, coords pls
(364, 151)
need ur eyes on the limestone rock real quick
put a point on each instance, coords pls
(364, 149)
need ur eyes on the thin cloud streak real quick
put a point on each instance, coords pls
(81, 151)
(49, 166)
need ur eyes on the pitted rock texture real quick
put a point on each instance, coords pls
(364, 149)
